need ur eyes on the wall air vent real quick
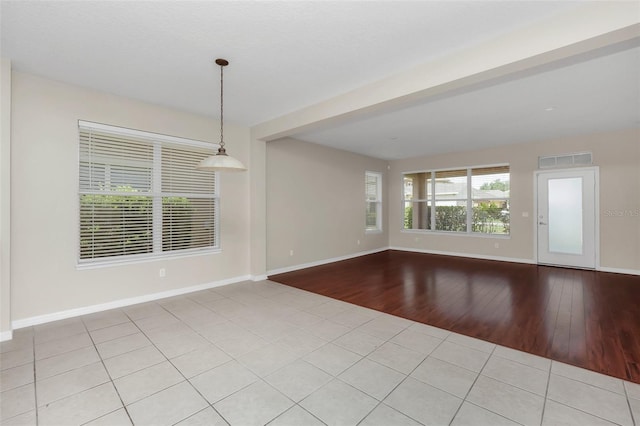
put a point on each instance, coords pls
(565, 160)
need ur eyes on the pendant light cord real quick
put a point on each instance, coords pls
(221, 108)
(220, 161)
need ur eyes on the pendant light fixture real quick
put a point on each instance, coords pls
(221, 161)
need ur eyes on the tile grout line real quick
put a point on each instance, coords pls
(64, 352)
(491, 354)
(335, 377)
(590, 385)
(227, 318)
(587, 383)
(442, 340)
(133, 350)
(302, 408)
(177, 369)
(401, 381)
(263, 380)
(516, 386)
(194, 414)
(299, 358)
(546, 392)
(633, 419)
(209, 404)
(35, 384)
(521, 363)
(108, 375)
(473, 384)
(233, 358)
(74, 369)
(212, 343)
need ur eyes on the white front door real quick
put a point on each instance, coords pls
(566, 217)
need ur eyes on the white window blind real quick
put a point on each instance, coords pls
(141, 195)
(188, 207)
(373, 196)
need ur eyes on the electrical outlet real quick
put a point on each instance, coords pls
(290, 252)
(162, 273)
(358, 242)
(496, 245)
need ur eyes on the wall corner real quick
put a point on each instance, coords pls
(5, 199)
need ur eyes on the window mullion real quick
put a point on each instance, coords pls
(156, 190)
(133, 188)
(433, 200)
(469, 202)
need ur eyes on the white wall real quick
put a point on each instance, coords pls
(258, 209)
(616, 153)
(5, 199)
(312, 201)
(44, 185)
(314, 209)
(316, 203)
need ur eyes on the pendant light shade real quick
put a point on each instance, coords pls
(221, 161)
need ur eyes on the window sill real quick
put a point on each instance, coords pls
(456, 234)
(143, 259)
(373, 231)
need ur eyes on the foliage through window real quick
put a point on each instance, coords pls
(470, 200)
(373, 195)
(140, 195)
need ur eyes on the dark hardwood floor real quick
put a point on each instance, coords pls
(584, 318)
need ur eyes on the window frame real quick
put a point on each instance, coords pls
(431, 201)
(378, 201)
(156, 141)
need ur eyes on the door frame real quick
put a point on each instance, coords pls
(596, 202)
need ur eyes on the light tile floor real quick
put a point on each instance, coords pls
(264, 353)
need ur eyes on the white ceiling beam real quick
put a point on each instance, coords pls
(592, 27)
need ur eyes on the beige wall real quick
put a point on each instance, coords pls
(316, 203)
(44, 184)
(616, 153)
(5, 199)
(258, 206)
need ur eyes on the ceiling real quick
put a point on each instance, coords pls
(596, 95)
(288, 55)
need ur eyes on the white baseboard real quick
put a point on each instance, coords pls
(619, 270)
(6, 335)
(468, 255)
(508, 259)
(323, 261)
(439, 252)
(259, 277)
(41, 319)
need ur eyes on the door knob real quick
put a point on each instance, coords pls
(542, 223)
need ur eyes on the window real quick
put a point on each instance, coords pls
(469, 200)
(450, 195)
(417, 204)
(140, 195)
(490, 200)
(373, 195)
